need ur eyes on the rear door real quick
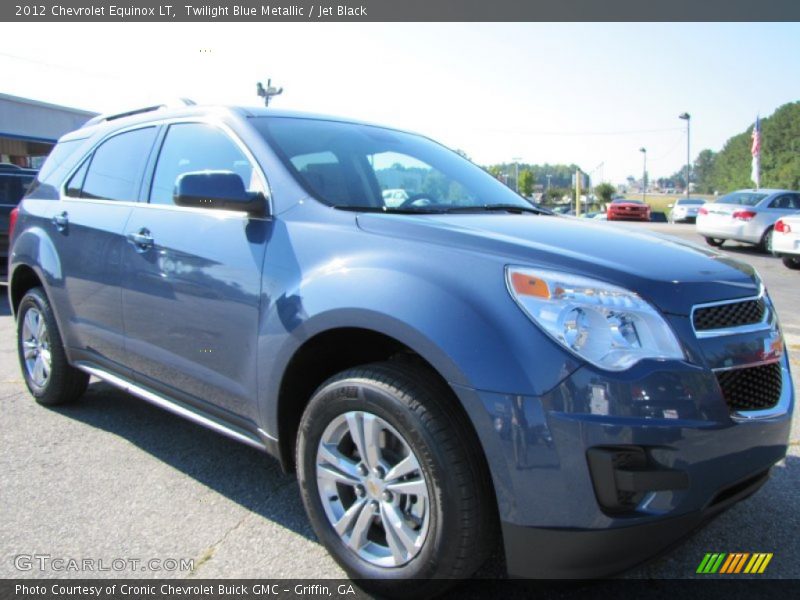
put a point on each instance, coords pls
(87, 229)
(191, 302)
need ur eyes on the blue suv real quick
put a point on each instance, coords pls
(444, 373)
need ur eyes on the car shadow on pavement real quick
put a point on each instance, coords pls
(253, 480)
(745, 250)
(242, 474)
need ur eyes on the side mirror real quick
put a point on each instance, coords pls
(221, 190)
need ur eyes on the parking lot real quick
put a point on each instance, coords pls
(113, 477)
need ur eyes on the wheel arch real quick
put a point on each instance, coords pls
(331, 351)
(23, 278)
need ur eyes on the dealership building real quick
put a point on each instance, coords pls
(29, 129)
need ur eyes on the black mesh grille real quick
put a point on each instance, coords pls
(751, 388)
(734, 314)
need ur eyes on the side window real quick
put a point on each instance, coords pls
(794, 204)
(191, 147)
(116, 166)
(783, 201)
(75, 183)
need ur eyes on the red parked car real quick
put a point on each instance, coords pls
(628, 210)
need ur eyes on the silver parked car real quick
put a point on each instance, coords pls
(685, 210)
(746, 216)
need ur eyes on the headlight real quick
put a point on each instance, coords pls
(609, 326)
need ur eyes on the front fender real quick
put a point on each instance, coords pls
(473, 335)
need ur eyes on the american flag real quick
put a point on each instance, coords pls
(755, 150)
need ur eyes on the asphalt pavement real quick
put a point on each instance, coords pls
(112, 477)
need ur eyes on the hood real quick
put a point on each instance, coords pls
(671, 274)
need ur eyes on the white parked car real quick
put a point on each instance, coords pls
(685, 210)
(746, 216)
(786, 240)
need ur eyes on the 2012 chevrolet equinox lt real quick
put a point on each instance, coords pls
(440, 370)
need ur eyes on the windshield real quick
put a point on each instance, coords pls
(624, 201)
(742, 198)
(691, 201)
(363, 167)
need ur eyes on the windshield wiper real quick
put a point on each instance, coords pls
(389, 209)
(509, 208)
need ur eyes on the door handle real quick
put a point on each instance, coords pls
(61, 221)
(141, 239)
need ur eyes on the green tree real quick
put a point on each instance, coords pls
(605, 192)
(703, 172)
(526, 183)
(780, 154)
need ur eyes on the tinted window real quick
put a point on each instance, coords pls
(76, 181)
(116, 166)
(13, 187)
(786, 202)
(192, 147)
(352, 165)
(693, 201)
(57, 156)
(742, 198)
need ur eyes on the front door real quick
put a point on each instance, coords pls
(193, 280)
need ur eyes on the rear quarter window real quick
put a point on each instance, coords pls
(49, 178)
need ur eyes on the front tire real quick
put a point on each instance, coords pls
(716, 242)
(394, 481)
(49, 377)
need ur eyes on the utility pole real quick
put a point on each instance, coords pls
(644, 174)
(578, 176)
(267, 93)
(688, 118)
(516, 160)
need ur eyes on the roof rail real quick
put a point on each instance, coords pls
(181, 102)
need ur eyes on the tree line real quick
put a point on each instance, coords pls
(730, 168)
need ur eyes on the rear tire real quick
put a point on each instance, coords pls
(791, 262)
(453, 520)
(766, 241)
(49, 377)
(716, 242)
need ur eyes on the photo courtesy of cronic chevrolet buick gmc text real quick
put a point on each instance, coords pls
(444, 372)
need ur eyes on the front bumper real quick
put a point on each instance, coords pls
(554, 525)
(592, 553)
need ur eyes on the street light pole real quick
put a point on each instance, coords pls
(644, 174)
(688, 118)
(516, 160)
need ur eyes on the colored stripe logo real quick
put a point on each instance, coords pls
(734, 563)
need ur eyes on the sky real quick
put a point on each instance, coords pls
(590, 94)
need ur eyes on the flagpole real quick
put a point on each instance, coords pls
(755, 151)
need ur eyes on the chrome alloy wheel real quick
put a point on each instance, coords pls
(373, 489)
(36, 347)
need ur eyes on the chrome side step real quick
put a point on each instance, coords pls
(176, 408)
